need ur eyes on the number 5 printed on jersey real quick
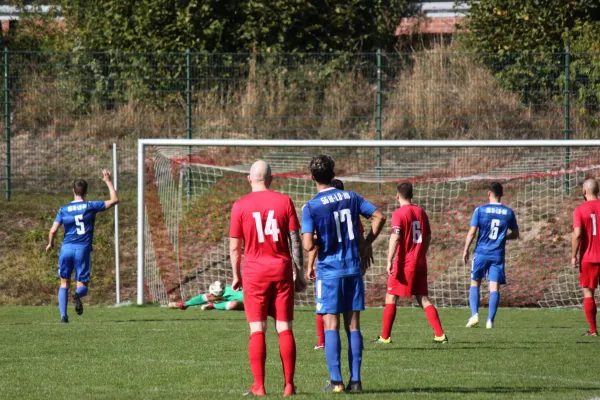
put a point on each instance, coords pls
(270, 227)
(80, 224)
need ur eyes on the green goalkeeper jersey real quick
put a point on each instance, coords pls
(229, 294)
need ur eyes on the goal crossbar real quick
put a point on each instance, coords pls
(141, 166)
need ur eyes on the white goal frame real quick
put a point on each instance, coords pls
(142, 143)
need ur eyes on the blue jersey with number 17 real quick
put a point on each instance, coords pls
(493, 221)
(334, 215)
(79, 217)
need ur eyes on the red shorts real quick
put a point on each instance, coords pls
(263, 299)
(408, 283)
(589, 275)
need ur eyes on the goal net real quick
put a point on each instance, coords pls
(189, 187)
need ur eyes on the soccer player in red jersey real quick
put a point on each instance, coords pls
(407, 264)
(586, 242)
(263, 220)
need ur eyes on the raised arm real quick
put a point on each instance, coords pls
(575, 242)
(235, 254)
(51, 234)
(468, 241)
(114, 199)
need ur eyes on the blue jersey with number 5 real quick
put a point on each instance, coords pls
(78, 217)
(334, 215)
(493, 220)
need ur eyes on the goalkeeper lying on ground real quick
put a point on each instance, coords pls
(217, 298)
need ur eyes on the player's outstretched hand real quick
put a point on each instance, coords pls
(465, 257)
(236, 284)
(574, 263)
(49, 247)
(389, 268)
(105, 176)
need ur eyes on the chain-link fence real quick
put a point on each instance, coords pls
(62, 111)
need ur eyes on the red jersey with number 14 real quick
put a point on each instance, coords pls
(263, 220)
(412, 224)
(586, 217)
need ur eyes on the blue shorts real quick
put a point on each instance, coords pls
(337, 295)
(492, 270)
(78, 258)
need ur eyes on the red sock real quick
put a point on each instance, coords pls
(287, 351)
(590, 309)
(257, 353)
(434, 320)
(389, 315)
(320, 329)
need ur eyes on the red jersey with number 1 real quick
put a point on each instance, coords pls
(263, 220)
(586, 217)
(412, 224)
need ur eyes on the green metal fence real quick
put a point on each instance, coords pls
(62, 111)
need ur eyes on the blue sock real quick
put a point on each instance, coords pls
(474, 299)
(82, 291)
(333, 349)
(355, 349)
(494, 300)
(63, 294)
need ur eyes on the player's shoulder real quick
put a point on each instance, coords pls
(352, 194)
(588, 206)
(420, 211)
(279, 198)
(509, 210)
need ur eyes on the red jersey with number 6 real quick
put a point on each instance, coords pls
(586, 217)
(412, 224)
(263, 220)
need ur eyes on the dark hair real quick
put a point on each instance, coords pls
(321, 167)
(336, 183)
(496, 189)
(80, 187)
(405, 189)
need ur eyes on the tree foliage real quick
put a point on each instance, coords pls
(524, 41)
(543, 26)
(234, 25)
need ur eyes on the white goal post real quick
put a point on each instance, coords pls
(450, 177)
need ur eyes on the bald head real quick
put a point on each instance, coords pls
(590, 189)
(260, 175)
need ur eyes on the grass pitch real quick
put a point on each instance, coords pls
(156, 353)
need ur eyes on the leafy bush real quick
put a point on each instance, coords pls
(523, 41)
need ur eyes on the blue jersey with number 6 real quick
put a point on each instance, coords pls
(334, 215)
(78, 217)
(493, 220)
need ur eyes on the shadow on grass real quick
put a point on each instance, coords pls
(451, 347)
(191, 319)
(487, 390)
